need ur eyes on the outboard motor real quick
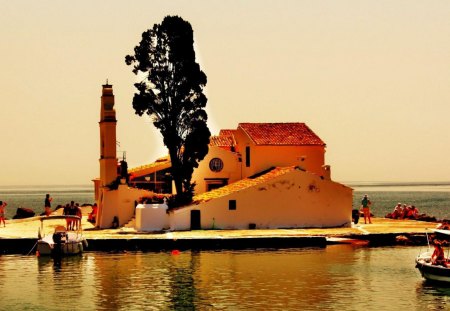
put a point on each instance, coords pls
(57, 250)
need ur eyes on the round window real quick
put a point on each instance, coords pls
(216, 165)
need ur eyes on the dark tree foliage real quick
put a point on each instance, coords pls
(172, 94)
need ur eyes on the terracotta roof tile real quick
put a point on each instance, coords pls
(297, 134)
(227, 132)
(159, 164)
(221, 141)
(241, 185)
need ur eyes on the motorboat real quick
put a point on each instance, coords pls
(431, 270)
(59, 241)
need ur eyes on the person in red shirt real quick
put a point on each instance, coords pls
(438, 257)
(2, 212)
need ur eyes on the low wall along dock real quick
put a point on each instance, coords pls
(19, 237)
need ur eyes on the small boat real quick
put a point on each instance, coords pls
(431, 270)
(60, 242)
(354, 242)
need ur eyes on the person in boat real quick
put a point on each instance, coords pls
(438, 257)
(365, 203)
(2, 212)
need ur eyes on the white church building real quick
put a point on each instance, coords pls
(259, 175)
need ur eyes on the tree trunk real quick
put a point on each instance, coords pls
(175, 169)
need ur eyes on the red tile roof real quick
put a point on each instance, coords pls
(159, 164)
(294, 134)
(225, 140)
(227, 132)
(241, 185)
(221, 141)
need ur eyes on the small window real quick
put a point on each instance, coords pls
(216, 165)
(247, 156)
(232, 205)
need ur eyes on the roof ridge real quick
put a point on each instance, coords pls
(158, 162)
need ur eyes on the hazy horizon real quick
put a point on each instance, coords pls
(370, 78)
(348, 183)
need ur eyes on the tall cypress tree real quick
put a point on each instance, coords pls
(171, 93)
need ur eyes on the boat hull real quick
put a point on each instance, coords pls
(432, 272)
(66, 249)
(61, 242)
(71, 244)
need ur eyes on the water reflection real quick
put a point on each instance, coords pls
(433, 296)
(69, 277)
(332, 278)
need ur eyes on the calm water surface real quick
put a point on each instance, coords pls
(33, 196)
(332, 278)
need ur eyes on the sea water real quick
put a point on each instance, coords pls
(432, 199)
(338, 277)
(33, 196)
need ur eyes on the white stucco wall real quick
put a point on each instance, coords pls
(119, 203)
(296, 199)
(311, 158)
(151, 217)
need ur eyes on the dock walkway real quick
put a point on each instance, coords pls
(20, 235)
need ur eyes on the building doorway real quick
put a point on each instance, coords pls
(195, 220)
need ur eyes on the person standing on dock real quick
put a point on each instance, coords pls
(48, 205)
(66, 212)
(72, 212)
(2, 212)
(78, 213)
(366, 208)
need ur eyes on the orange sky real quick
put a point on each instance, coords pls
(371, 78)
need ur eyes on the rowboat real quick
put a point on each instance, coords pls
(60, 241)
(429, 268)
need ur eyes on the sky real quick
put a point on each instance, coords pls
(371, 78)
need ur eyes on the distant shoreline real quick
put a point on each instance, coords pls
(395, 184)
(348, 183)
(46, 188)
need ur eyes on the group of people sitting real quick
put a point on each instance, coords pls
(405, 212)
(445, 225)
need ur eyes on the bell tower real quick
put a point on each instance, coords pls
(108, 122)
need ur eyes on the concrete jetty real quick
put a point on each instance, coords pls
(19, 236)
